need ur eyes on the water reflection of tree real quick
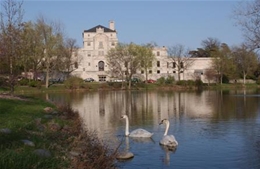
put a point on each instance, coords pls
(102, 98)
(230, 106)
(116, 104)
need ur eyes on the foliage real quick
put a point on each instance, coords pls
(11, 16)
(225, 79)
(35, 83)
(146, 57)
(258, 81)
(185, 82)
(222, 61)
(23, 82)
(168, 80)
(125, 59)
(245, 60)
(74, 82)
(161, 80)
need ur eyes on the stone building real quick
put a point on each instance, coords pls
(98, 40)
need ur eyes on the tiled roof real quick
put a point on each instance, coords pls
(99, 26)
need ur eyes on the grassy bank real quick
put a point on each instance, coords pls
(138, 86)
(56, 130)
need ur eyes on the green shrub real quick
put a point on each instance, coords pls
(74, 83)
(199, 83)
(225, 79)
(24, 82)
(181, 82)
(161, 80)
(170, 80)
(34, 83)
(2, 81)
(258, 81)
(186, 83)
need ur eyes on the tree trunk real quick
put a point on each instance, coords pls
(244, 78)
(47, 73)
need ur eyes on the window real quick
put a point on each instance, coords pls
(150, 71)
(89, 54)
(101, 53)
(198, 72)
(182, 65)
(88, 35)
(158, 71)
(158, 53)
(158, 63)
(83, 69)
(142, 71)
(174, 65)
(113, 44)
(88, 43)
(76, 65)
(100, 45)
(101, 65)
(102, 78)
(174, 72)
(88, 63)
(167, 64)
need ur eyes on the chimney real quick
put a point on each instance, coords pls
(112, 25)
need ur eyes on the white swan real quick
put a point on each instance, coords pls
(136, 133)
(168, 140)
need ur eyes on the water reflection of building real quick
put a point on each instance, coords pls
(102, 110)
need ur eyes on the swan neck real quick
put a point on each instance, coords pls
(126, 126)
(167, 128)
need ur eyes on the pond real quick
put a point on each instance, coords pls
(215, 129)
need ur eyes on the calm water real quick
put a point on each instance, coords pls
(214, 129)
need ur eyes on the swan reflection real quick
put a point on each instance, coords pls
(125, 154)
(167, 154)
(142, 139)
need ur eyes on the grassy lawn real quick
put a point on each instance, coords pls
(19, 116)
(58, 131)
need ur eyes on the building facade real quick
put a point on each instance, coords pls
(98, 40)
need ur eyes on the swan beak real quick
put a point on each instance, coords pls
(160, 123)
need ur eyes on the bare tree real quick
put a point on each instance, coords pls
(68, 55)
(247, 16)
(116, 62)
(146, 58)
(11, 24)
(210, 75)
(210, 44)
(181, 59)
(245, 60)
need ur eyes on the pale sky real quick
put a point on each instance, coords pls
(166, 23)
